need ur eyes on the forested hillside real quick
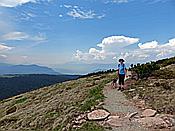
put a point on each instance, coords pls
(11, 85)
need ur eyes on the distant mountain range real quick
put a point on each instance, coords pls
(25, 69)
(84, 68)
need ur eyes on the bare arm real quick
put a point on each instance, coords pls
(117, 72)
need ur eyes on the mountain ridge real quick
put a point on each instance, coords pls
(26, 69)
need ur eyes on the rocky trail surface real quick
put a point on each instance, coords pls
(121, 114)
(122, 111)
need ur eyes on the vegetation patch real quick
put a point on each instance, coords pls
(94, 96)
(57, 106)
(158, 90)
(52, 114)
(90, 126)
(21, 100)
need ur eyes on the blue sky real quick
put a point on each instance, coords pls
(56, 33)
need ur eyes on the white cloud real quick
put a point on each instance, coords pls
(114, 43)
(81, 14)
(112, 48)
(60, 15)
(18, 36)
(3, 56)
(3, 47)
(117, 1)
(151, 51)
(15, 36)
(148, 45)
(78, 12)
(14, 3)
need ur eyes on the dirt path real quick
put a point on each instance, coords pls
(117, 104)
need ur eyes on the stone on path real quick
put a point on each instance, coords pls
(116, 121)
(148, 113)
(98, 115)
(154, 122)
(132, 114)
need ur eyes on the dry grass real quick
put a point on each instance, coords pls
(158, 91)
(54, 107)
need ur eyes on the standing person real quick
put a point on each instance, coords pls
(121, 71)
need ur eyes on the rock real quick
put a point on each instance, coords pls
(113, 117)
(76, 126)
(118, 122)
(172, 121)
(169, 119)
(114, 122)
(11, 110)
(148, 113)
(98, 115)
(131, 115)
(80, 117)
(136, 97)
(132, 90)
(154, 122)
(140, 104)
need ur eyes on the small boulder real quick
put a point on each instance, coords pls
(98, 115)
(148, 113)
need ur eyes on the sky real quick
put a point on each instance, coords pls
(67, 33)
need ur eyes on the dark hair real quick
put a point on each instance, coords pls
(121, 60)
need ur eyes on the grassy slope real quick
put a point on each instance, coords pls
(158, 91)
(54, 107)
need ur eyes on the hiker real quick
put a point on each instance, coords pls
(121, 72)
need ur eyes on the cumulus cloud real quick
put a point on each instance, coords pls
(112, 48)
(114, 43)
(14, 3)
(148, 45)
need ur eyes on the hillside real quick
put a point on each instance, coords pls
(54, 107)
(64, 106)
(11, 85)
(158, 90)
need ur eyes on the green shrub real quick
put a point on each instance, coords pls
(21, 100)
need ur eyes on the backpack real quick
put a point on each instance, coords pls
(119, 65)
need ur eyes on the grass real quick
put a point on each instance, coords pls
(21, 100)
(56, 106)
(158, 91)
(95, 95)
(52, 114)
(90, 126)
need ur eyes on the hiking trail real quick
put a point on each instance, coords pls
(119, 107)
